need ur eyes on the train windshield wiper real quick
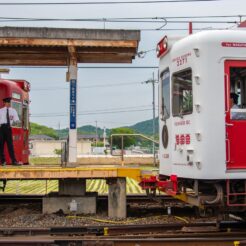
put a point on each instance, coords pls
(181, 114)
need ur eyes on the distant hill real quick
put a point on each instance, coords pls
(37, 129)
(87, 129)
(144, 127)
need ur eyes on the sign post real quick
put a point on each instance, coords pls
(73, 103)
(72, 145)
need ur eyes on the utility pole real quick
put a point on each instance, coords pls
(96, 133)
(153, 82)
(59, 129)
(104, 137)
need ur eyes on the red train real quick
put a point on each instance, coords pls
(18, 90)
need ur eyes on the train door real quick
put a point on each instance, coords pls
(17, 131)
(235, 105)
(25, 126)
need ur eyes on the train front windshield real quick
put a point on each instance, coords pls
(18, 107)
(238, 87)
(182, 93)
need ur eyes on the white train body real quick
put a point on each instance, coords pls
(197, 75)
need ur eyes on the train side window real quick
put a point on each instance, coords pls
(238, 86)
(182, 97)
(165, 95)
(18, 107)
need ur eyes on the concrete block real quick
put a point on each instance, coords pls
(117, 198)
(83, 205)
(72, 187)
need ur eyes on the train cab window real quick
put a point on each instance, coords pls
(238, 93)
(165, 95)
(25, 117)
(182, 97)
(18, 107)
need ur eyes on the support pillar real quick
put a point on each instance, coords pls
(117, 198)
(72, 78)
(71, 198)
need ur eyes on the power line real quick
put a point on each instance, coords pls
(118, 20)
(96, 110)
(155, 19)
(180, 17)
(86, 87)
(92, 113)
(105, 2)
(86, 67)
(181, 29)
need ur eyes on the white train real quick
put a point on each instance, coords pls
(202, 98)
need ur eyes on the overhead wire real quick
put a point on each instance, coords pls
(85, 67)
(105, 2)
(109, 110)
(87, 87)
(158, 20)
(94, 113)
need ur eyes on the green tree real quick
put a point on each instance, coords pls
(58, 152)
(37, 129)
(128, 141)
(99, 144)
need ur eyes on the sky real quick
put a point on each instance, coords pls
(109, 97)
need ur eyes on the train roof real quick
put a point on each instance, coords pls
(213, 37)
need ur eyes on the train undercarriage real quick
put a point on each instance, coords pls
(211, 197)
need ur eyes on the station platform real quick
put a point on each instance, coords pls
(72, 195)
(40, 172)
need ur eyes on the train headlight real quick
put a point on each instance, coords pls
(162, 47)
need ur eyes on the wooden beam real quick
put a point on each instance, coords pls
(37, 56)
(32, 50)
(67, 42)
(34, 62)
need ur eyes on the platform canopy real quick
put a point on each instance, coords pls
(35, 46)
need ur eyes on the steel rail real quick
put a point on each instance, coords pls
(120, 241)
(228, 228)
(130, 198)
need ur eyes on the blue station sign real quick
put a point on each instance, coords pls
(73, 103)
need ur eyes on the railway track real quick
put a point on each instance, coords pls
(209, 233)
(6, 198)
(223, 228)
(202, 241)
(166, 234)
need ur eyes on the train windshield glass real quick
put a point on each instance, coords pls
(165, 97)
(238, 93)
(18, 107)
(25, 117)
(182, 93)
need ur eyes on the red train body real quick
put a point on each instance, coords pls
(18, 90)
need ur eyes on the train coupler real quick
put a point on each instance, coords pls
(152, 183)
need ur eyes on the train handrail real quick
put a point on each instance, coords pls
(122, 135)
